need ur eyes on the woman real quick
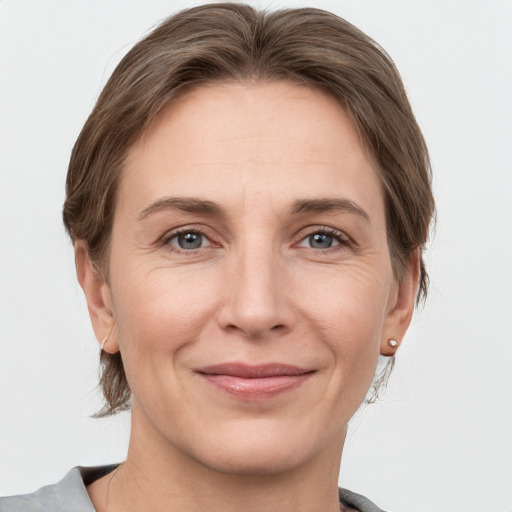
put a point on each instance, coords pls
(248, 202)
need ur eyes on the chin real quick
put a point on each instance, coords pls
(252, 461)
(263, 451)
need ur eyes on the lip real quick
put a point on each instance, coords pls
(255, 382)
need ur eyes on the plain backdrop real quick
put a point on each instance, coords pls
(441, 439)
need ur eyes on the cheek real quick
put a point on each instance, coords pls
(351, 303)
(161, 311)
(159, 315)
(348, 316)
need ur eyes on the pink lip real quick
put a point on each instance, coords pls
(255, 382)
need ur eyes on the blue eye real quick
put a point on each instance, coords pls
(188, 240)
(321, 241)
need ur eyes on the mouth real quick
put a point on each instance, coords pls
(254, 382)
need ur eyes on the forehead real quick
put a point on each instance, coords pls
(230, 140)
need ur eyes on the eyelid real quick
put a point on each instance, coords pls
(343, 240)
(341, 237)
(172, 233)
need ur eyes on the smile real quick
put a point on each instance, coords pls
(254, 382)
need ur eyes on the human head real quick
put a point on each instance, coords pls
(236, 43)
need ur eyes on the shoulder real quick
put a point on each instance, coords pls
(68, 494)
(357, 502)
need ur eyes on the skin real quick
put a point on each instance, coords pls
(258, 290)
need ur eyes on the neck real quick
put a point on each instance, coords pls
(160, 478)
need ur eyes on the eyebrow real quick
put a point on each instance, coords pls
(328, 205)
(186, 204)
(203, 206)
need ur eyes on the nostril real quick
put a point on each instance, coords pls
(253, 333)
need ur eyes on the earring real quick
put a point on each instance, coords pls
(393, 343)
(105, 339)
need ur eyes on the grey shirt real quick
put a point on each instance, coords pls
(70, 495)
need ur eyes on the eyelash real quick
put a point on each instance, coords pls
(343, 240)
(182, 231)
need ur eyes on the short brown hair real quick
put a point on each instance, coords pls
(235, 42)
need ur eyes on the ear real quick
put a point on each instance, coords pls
(401, 307)
(98, 297)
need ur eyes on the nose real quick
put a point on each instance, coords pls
(256, 297)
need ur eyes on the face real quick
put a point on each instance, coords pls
(251, 287)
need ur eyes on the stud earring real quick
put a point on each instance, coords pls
(393, 343)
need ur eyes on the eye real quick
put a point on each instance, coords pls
(188, 240)
(323, 239)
